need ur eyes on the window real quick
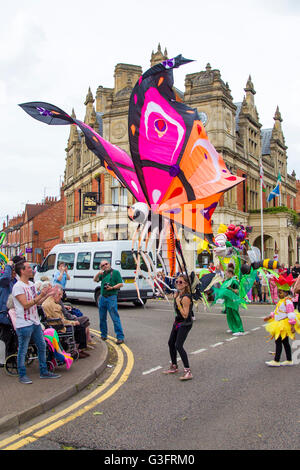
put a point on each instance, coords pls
(123, 199)
(83, 260)
(67, 258)
(100, 256)
(128, 262)
(119, 195)
(203, 259)
(115, 193)
(48, 264)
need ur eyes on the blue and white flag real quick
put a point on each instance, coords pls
(276, 190)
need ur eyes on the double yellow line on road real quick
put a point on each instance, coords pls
(77, 409)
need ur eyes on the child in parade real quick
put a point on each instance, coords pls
(182, 325)
(229, 292)
(283, 323)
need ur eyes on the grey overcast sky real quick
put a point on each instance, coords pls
(53, 51)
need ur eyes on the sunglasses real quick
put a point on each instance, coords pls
(104, 264)
(179, 282)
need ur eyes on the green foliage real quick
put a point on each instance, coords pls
(275, 210)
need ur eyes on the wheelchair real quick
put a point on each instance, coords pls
(66, 338)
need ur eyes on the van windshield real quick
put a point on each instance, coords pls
(48, 264)
(128, 262)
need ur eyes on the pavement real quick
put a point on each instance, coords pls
(20, 403)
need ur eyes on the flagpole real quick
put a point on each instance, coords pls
(261, 210)
(262, 221)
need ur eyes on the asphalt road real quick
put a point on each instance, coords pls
(234, 401)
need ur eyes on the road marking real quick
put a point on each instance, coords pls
(59, 420)
(152, 370)
(206, 313)
(199, 351)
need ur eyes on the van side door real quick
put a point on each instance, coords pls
(83, 276)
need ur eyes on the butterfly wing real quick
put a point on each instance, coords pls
(175, 163)
(117, 162)
(157, 129)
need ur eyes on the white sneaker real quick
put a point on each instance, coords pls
(228, 331)
(273, 364)
(287, 363)
(238, 333)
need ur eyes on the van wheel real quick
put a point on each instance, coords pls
(138, 303)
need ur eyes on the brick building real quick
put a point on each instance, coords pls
(35, 231)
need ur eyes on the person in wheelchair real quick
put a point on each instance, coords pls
(28, 325)
(53, 311)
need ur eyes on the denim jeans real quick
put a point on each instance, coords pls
(110, 304)
(24, 335)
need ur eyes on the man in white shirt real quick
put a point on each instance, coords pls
(27, 321)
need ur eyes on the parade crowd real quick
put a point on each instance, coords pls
(37, 313)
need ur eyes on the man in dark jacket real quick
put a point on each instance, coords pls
(7, 281)
(296, 270)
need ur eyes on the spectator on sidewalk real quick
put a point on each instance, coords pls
(61, 276)
(296, 270)
(28, 324)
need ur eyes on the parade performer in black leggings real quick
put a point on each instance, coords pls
(182, 325)
(284, 322)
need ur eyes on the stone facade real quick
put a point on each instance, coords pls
(233, 128)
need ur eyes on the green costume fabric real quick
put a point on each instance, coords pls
(234, 320)
(232, 301)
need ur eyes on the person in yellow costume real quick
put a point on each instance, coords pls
(283, 323)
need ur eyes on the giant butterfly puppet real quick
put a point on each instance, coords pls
(174, 172)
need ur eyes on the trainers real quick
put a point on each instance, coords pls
(287, 363)
(25, 380)
(172, 369)
(187, 375)
(273, 364)
(120, 341)
(238, 333)
(49, 375)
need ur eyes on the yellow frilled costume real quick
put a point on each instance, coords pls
(284, 317)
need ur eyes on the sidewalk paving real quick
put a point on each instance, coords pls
(20, 403)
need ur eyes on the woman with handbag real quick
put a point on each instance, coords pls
(182, 325)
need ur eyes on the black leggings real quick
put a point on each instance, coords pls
(176, 340)
(285, 342)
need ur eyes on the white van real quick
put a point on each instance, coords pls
(83, 261)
